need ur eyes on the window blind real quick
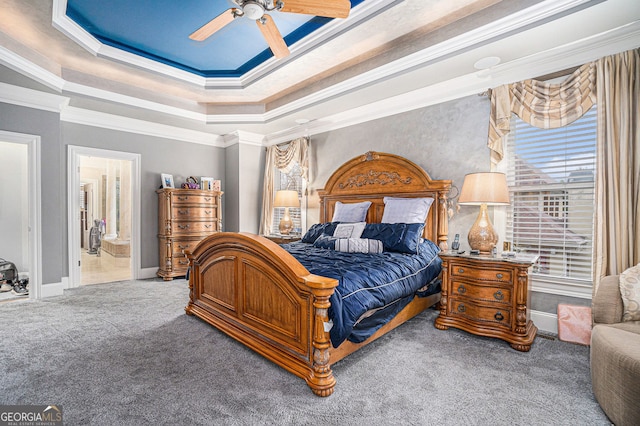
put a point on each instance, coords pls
(551, 177)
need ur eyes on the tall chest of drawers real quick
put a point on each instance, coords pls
(488, 296)
(185, 217)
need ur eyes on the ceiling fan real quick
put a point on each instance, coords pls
(257, 10)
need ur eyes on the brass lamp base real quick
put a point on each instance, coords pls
(482, 236)
(286, 225)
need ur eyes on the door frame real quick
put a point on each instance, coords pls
(35, 211)
(73, 204)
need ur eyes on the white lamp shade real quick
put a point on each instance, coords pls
(484, 188)
(286, 198)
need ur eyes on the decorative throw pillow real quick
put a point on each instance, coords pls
(349, 245)
(399, 237)
(349, 230)
(351, 212)
(406, 210)
(318, 229)
(630, 291)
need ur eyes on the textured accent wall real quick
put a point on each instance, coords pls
(448, 140)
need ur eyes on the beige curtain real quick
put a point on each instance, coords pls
(617, 245)
(543, 105)
(284, 159)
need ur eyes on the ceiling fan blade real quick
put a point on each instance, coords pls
(326, 8)
(272, 35)
(214, 25)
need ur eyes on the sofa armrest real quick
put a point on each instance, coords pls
(607, 304)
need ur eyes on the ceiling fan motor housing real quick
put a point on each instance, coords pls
(253, 9)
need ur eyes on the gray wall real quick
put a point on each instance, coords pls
(448, 140)
(54, 223)
(158, 155)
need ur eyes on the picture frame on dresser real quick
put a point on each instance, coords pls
(167, 180)
(206, 183)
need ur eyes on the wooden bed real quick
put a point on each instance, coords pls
(253, 290)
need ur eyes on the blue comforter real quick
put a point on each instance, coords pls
(372, 288)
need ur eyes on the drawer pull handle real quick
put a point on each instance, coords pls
(183, 262)
(461, 308)
(183, 226)
(183, 211)
(498, 295)
(499, 276)
(460, 271)
(207, 225)
(181, 247)
(207, 198)
(183, 197)
(498, 316)
(462, 289)
(207, 212)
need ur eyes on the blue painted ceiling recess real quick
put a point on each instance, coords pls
(159, 30)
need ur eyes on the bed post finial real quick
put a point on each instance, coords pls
(443, 223)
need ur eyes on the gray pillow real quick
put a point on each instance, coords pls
(350, 212)
(406, 210)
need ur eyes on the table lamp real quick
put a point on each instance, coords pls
(483, 189)
(286, 199)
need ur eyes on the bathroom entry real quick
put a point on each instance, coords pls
(105, 219)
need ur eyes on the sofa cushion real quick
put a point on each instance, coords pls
(630, 291)
(628, 326)
(615, 371)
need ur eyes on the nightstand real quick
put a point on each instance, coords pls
(283, 239)
(488, 296)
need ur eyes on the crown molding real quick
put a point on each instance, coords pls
(29, 69)
(30, 98)
(75, 32)
(106, 95)
(243, 138)
(132, 125)
(565, 56)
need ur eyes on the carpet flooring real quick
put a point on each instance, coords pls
(126, 354)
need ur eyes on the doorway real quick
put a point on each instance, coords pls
(103, 232)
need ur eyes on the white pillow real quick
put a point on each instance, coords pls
(630, 292)
(349, 230)
(406, 210)
(351, 212)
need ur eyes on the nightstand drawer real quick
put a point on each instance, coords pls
(482, 293)
(481, 314)
(489, 274)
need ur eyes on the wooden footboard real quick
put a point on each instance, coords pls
(257, 293)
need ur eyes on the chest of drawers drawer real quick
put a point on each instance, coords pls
(191, 198)
(192, 212)
(191, 227)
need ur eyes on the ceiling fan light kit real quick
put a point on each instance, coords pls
(256, 10)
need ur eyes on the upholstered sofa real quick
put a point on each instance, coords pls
(615, 356)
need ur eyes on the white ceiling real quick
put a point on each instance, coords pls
(389, 56)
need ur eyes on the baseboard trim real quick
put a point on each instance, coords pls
(53, 289)
(146, 273)
(546, 322)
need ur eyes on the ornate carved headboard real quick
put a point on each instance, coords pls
(375, 175)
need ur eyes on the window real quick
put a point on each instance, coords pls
(551, 176)
(291, 181)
